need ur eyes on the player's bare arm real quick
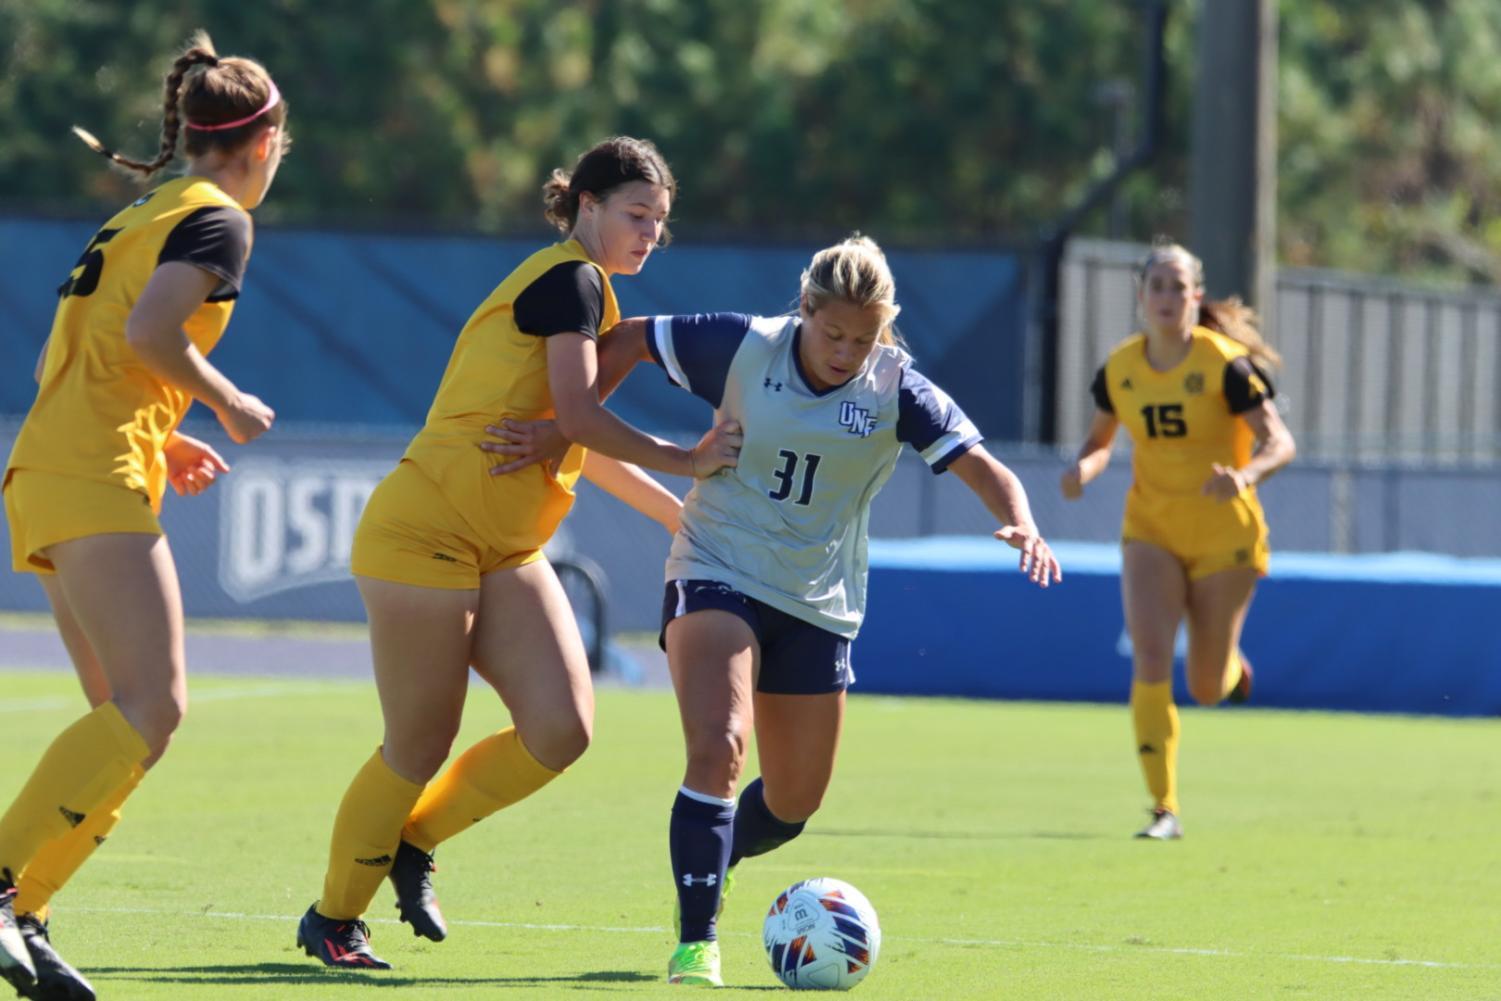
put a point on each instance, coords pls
(1004, 497)
(573, 377)
(1275, 448)
(528, 442)
(1093, 457)
(631, 485)
(155, 332)
(620, 348)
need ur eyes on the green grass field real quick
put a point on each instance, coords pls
(1327, 856)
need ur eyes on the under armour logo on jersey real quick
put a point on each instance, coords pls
(691, 880)
(856, 420)
(768, 384)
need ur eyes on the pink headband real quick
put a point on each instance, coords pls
(271, 102)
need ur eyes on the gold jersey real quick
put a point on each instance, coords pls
(100, 414)
(1186, 419)
(496, 371)
(1181, 422)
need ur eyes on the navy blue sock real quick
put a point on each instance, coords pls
(699, 839)
(757, 830)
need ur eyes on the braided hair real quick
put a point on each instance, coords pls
(204, 90)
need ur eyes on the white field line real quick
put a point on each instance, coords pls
(207, 695)
(996, 943)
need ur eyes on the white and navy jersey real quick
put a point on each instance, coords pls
(788, 525)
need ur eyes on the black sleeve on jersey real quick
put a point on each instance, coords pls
(1246, 385)
(216, 239)
(701, 348)
(568, 298)
(1101, 392)
(926, 417)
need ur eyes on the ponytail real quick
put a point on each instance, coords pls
(1238, 322)
(225, 90)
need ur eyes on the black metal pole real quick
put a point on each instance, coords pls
(1047, 276)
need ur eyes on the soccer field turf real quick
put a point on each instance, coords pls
(1326, 856)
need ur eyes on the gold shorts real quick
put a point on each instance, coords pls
(44, 509)
(411, 534)
(1206, 536)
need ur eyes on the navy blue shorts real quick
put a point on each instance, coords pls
(797, 657)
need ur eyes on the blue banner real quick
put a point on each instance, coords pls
(353, 328)
(1399, 632)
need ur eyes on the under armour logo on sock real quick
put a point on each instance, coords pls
(690, 880)
(73, 819)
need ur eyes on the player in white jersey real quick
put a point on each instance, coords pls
(766, 579)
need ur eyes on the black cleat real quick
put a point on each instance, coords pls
(1164, 826)
(1242, 690)
(415, 899)
(16, 967)
(343, 944)
(55, 979)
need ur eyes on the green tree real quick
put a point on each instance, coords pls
(944, 121)
(1388, 159)
(920, 121)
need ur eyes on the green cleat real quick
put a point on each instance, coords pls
(725, 891)
(695, 963)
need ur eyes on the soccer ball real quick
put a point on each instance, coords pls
(821, 934)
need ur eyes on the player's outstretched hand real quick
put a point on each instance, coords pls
(1037, 559)
(192, 465)
(1225, 484)
(716, 450)
(527, 443)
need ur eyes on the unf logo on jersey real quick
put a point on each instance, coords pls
(856, 420)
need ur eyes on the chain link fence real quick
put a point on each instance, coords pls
(1375, 371)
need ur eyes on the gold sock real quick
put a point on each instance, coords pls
(60, 858)
(490, 776)
(366, 833)
(85, 764)
(1156, 720)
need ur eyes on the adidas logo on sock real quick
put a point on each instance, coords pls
(378, 860)
(73, 819)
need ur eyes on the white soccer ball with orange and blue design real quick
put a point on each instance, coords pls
(821, 934)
